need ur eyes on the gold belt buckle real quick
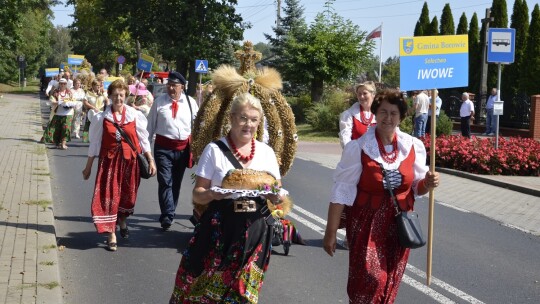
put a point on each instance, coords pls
(245, 205)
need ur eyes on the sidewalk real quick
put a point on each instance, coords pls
(512, 200)
(29, 271)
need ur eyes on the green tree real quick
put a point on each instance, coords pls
(475, 55)
(390, 72)
(447, 21)
(530, 77)
(13, 33)
(60, 40)
(462, 28)
(182, 30)
(35, 42)
(291, 30)
(332, 49)
(433, 27)
(423, 25)
(511, 77)
(94, 35)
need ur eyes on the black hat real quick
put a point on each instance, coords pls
(175, 77)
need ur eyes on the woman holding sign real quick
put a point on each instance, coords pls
(376, 259)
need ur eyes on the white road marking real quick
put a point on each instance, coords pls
(445, 286)
(454, 207)
(426, 290)
(408, 280)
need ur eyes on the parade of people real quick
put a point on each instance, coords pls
(270, 152)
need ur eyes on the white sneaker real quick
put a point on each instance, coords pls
(491, 134)
(484, 134)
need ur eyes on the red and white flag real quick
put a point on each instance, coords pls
(376, 33)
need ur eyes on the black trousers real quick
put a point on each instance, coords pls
(466, 126)
(170, 165)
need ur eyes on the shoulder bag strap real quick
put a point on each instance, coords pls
(125, 137)
(228, 154)
(389, 185)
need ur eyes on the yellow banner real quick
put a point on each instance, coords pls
(147, 58)
(433, 45)
(76, 56)
(111, 79)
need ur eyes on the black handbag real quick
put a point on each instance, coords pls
(144, 165)
(408, 223)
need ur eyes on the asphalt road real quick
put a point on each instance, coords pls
(475, 259)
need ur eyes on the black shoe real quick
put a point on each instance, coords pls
(166, 224)
(124, 232)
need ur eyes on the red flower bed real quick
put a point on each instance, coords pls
(515, 156)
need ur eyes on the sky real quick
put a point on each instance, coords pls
(398, 17)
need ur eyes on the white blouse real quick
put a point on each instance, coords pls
(96, 129)
(349, 168)
(160, 120)
(346, 122)
(214, 165)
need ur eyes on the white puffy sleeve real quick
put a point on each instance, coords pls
(345, 127)
(95, 134)
(142, 133)
(420, 167)
(347, 174)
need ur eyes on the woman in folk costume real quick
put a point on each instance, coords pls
(78, 95)
(58, 130)
(355, 122)
(228, 255)
(376, 260)
(94, 102)
(117, 177)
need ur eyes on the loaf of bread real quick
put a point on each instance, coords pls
(247, 179)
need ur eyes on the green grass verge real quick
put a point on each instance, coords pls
(306, 133)
(13, 88)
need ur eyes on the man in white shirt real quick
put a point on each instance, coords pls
(53, 84)
(466, 112)
(170, 119)
(491, 120)
(421, 108)
(67, 76)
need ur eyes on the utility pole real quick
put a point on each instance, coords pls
(278, 17)
(483, 75)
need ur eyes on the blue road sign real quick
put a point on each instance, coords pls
(201, 66)
(501, 45)
(121, 59)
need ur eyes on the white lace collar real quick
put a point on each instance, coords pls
(131, 113)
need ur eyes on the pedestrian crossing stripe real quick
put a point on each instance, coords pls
(201, 66)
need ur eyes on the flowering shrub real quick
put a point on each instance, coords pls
(515, 156)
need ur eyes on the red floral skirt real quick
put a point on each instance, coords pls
(376, 260)
(115, 192)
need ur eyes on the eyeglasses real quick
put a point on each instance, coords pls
(243, 120)
(175, 85)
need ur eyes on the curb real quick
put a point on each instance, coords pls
(478, 178)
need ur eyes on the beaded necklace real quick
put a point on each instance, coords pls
(365, 120)
(388, 157)
(244, 158)
(122, 119)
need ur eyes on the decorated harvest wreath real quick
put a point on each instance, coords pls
(212, 120)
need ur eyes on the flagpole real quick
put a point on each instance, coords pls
(380, 55)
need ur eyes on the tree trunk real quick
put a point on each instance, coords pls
(317, 89)
(192, 78)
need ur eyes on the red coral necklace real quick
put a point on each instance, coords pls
(388, 157)
(365, 120)
(240, 156)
